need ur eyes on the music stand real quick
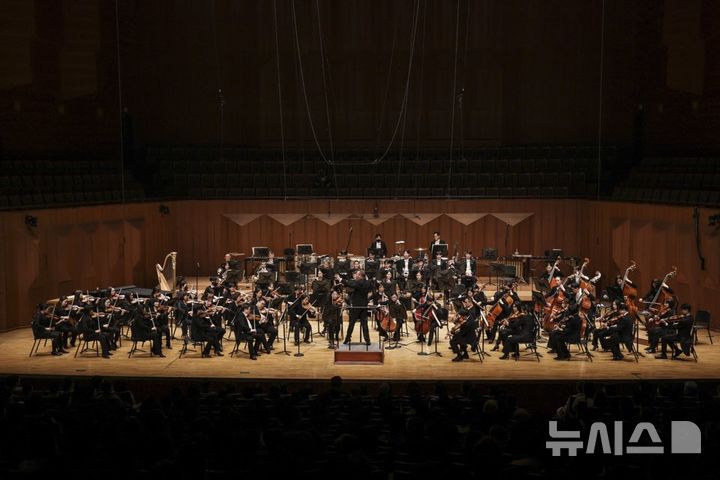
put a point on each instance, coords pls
(441, 248)
(554, 253)
(265, 278)
(496, 270)
(307, 268)
(304, 249)
(261, 252)
(489, 254)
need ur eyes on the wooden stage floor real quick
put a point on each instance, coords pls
(317, 364)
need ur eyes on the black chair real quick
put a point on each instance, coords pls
(135, 340)
(37, 340)
(702, 321)
(191, 338)
(532, 345)
(85, 345)
(582, 345)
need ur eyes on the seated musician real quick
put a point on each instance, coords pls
(390, 286)
(245, 328)
(271, 265)
(305, 313)
(69, 319)
(504, 330)
(229, 269)
(266, 323)
(144, 327)
(378, 248)
(519, 330)
(398, 312)
(599, 334)
(680, 340)
(620, 332)
(203, 329)
(424, 270)
(331, 316)
(91, 330)
(437, 314)
(379, 298)
(182, 308)
(614, 292)
(42, 327)
(478, 298)
(213, 290)
(657, 327)
(464, 332)
(159, 309)
(327, 269)
(566, 331)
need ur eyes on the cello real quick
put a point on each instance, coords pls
(585, 282)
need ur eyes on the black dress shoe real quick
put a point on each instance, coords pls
(676, 354)
(55, 353)
(253, 357)
(662, 356)
(205, 355)
(62, 350)
(161, 355)
(465, 355)
(617, 357)
(219, 354)
(561, 358)
(105, 355)
(505, 357)
(457, 359)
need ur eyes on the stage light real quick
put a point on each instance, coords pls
(30, 221)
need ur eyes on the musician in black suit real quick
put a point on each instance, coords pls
(658, 328)
(520, 330)
(331, 316)
(203, 329)
(144, 328)
(567, 332)
(246, 329)
(467, 267)
(615, 292)
(358, 301)
(435, 241)
(91, 330)
(320, 290)
(465, 333)
(403, 268)
(620, 332)
(378, 248)
(398, 312)
(42, 327)
(437, 265)
(681, 339)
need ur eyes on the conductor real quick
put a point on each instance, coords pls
(358, 303)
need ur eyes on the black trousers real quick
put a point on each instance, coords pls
(656, 333)
(102, 338)
(459, 343)
(511, 343)
(154, 338)
(269, 330)
(355, 315)
(164, 330)
(55, 338)
(210, 337)
(303, 323)
(673, 339)
(255, 341)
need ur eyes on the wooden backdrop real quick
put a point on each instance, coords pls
(117, 245)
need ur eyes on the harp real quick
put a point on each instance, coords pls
(167, 272)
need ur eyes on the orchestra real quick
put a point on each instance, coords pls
(440, 294)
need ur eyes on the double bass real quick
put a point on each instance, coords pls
(658, 305)
(588, 283)
(629, 290)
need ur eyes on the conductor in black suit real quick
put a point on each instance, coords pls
(378, 247)
(358, 301)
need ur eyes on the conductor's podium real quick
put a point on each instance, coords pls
(360, 354)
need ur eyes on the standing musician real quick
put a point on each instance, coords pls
(435, 241)
(320, 290)
(294, 303)
(145, 327)
(42, 327)
(203, 329)
(306, 311)
(359, 302)
(519, 330)
(403, 267)
(621, 331)
(327, 269)
(378, 248)
(463, 333)
(182, 308)
(566, 331)
(467, 268)
(504, 329)
(245, 328)
(681, 339)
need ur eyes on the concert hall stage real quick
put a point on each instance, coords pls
(402, 364)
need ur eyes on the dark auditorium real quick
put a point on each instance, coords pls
(359, 239)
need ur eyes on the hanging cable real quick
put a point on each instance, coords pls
(327, 103)
(600, 100)
(403, 104)
(218, 85)
(280, 101)
(120, 106)
(452, 121)
(387, 89)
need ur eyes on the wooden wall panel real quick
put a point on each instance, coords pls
(113, 245)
